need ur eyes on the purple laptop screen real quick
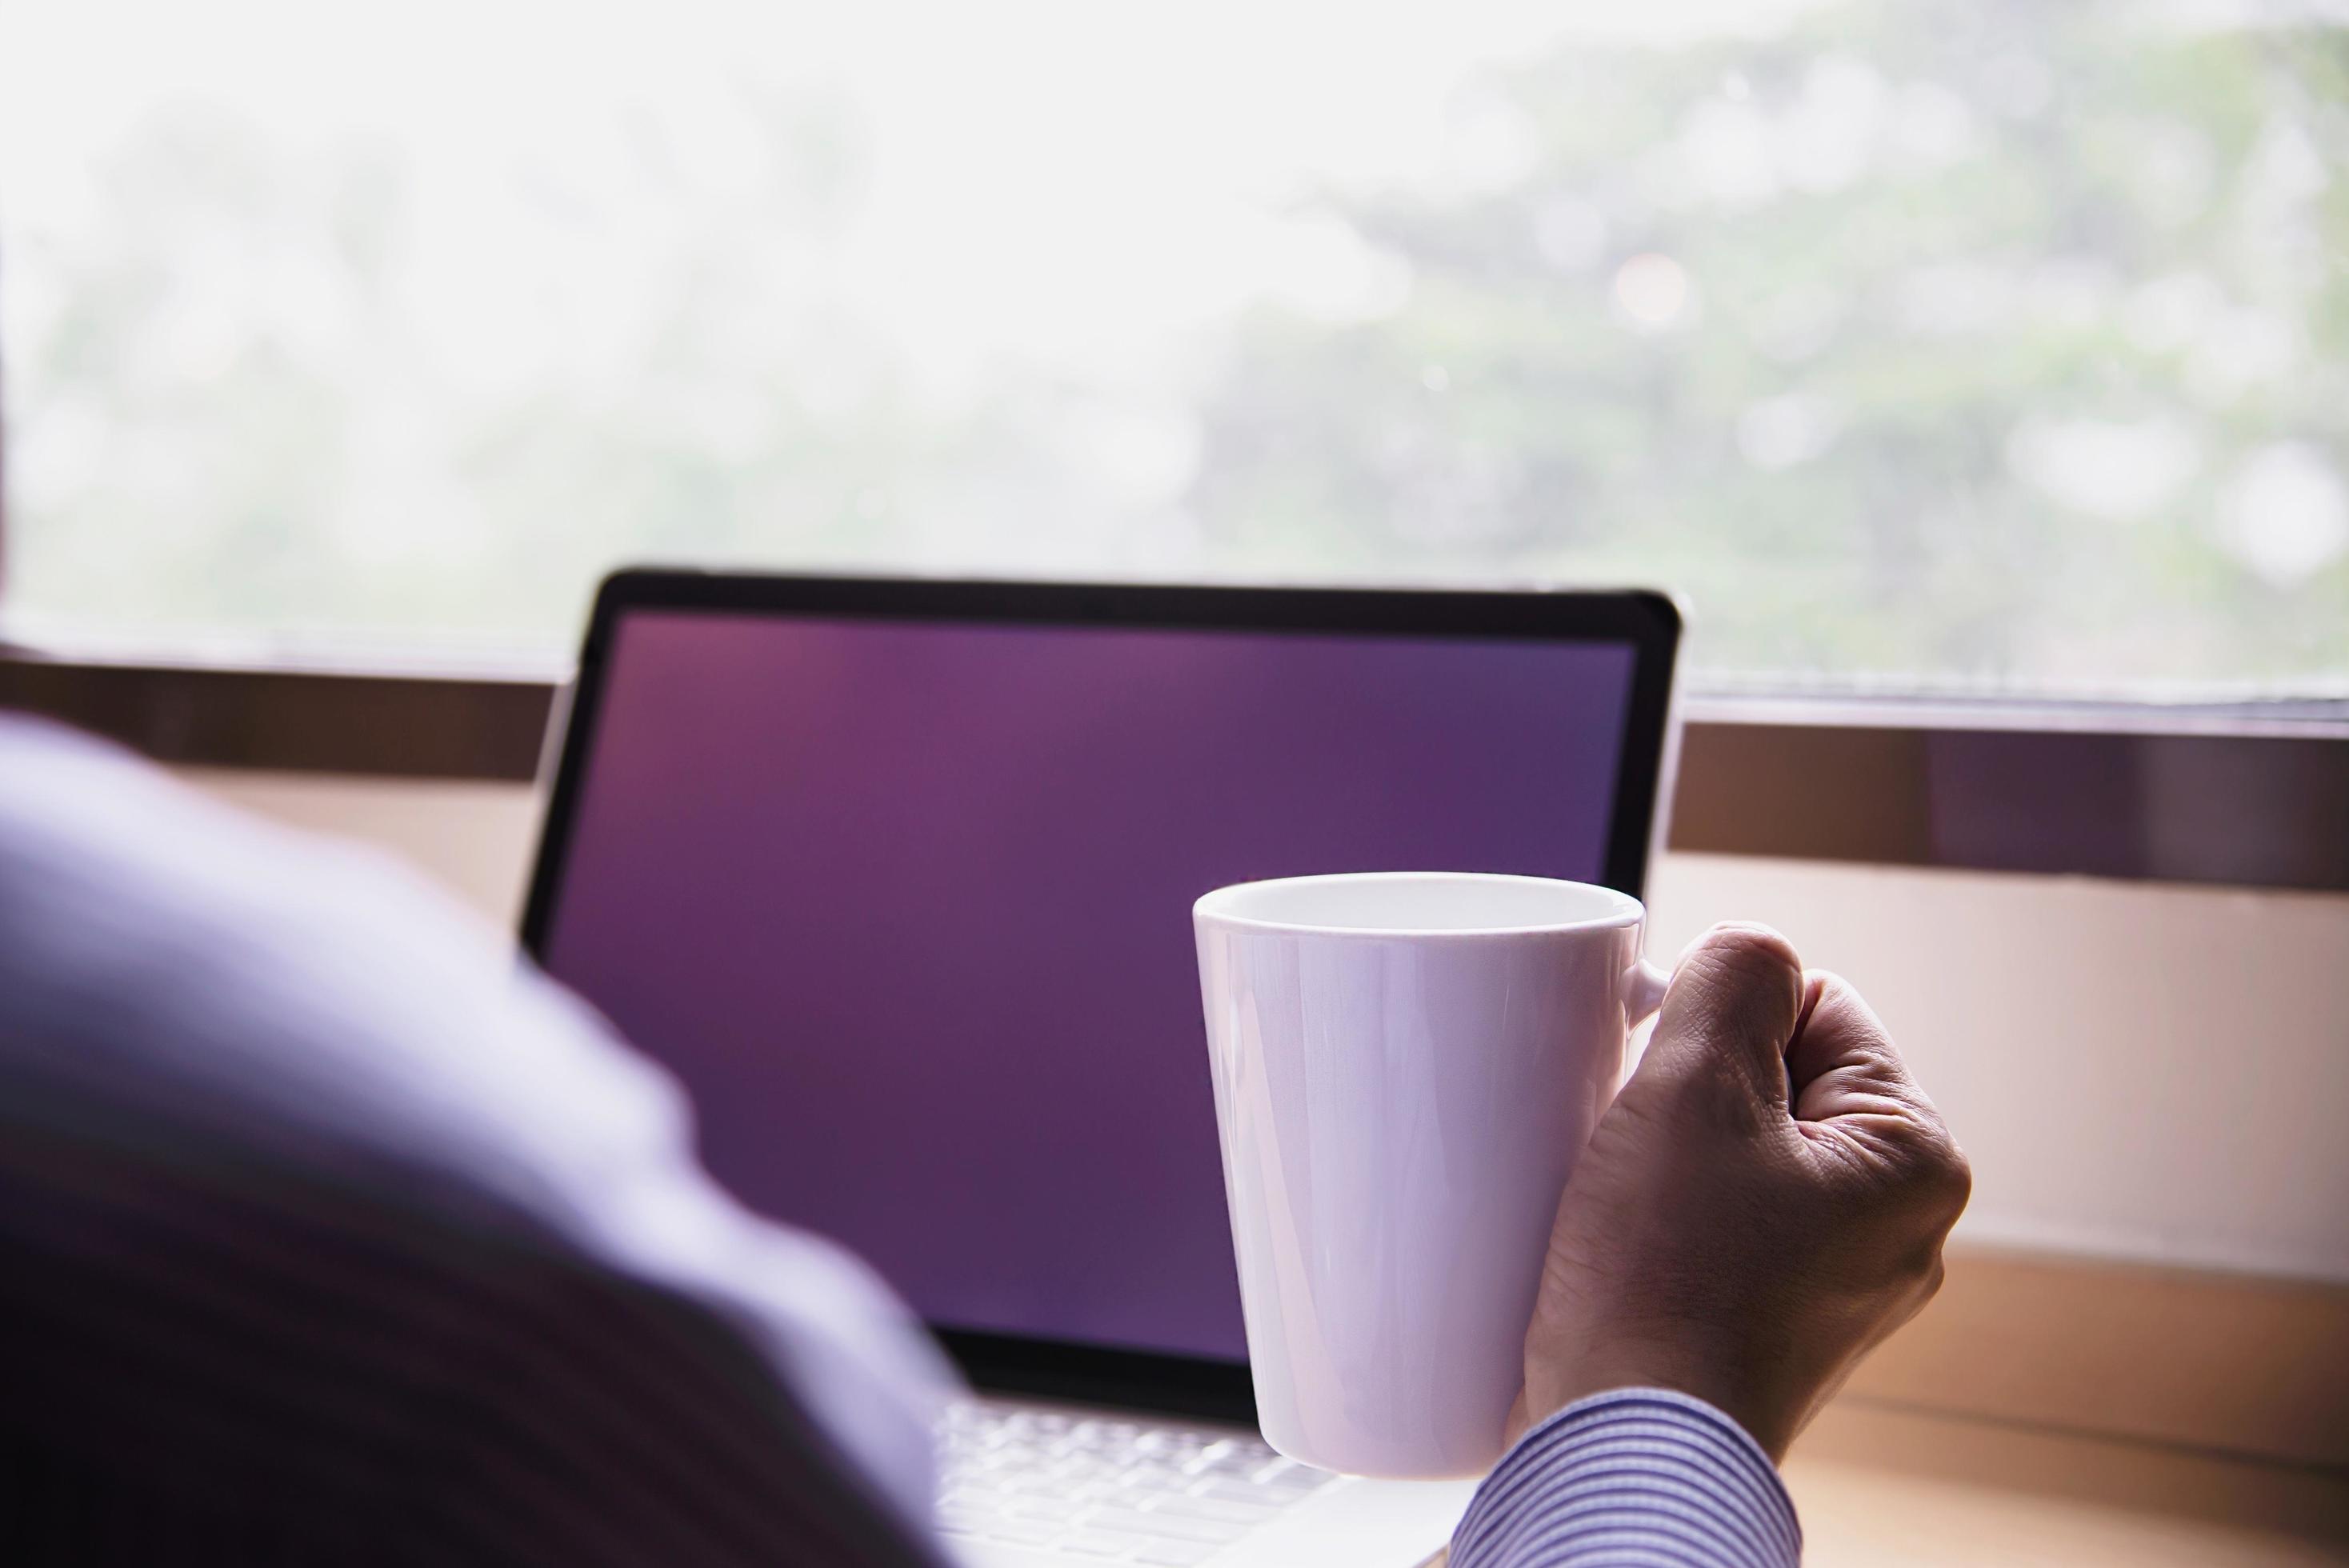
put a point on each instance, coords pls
(908, 908)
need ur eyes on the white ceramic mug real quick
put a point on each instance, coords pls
(1406, 1067)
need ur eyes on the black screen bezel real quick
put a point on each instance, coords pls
(1648, 622)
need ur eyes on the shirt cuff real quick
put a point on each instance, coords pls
(1632, 1476)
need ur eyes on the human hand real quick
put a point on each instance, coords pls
(1763, 1205)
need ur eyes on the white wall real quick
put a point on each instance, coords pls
(2146, 1072)
(475, 839)
(2139, 1070)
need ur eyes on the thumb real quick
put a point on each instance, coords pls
(1736, 1000)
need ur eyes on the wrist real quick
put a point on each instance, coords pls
(1606, 1370)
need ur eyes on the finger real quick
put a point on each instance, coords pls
(1842, 1060)
(1736, 998)
(1854, 1093)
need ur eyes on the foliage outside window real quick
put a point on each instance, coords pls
(1948, 343)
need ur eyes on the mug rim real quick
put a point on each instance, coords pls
(1625, 910)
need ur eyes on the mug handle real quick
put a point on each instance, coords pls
(1644, 991)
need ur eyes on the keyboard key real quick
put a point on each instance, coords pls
(1110, 1543)
(1154, 1479)
(1056, 1509)
(1240, 1492)
(963, 1521)
(1224, 1459)
(1176, 1553)
(1165, 1524)
(1255, 1511)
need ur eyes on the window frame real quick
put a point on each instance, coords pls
(2252, 795)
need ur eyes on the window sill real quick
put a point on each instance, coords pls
(2247, 796)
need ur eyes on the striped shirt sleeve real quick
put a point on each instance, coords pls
(1633, 1478)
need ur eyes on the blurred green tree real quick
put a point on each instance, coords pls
(1935, 340)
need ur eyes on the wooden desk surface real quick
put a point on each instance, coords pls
(2050, 1410)
(1882, 1486)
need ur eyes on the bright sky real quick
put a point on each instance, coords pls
(1074, 183)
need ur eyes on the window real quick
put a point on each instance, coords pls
(1921, 343)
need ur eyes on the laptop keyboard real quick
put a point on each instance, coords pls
(1106, 1491)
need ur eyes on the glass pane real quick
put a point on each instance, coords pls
(1927, 341)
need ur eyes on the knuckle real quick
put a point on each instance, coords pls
(1958, 1185)
(1943, 1177)
(1921, 1279)
(1934, 1275)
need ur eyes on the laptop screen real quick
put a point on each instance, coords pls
(906, 905)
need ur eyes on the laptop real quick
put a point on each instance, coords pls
(897, 876)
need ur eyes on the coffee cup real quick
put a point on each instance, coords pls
(1406, 1067)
